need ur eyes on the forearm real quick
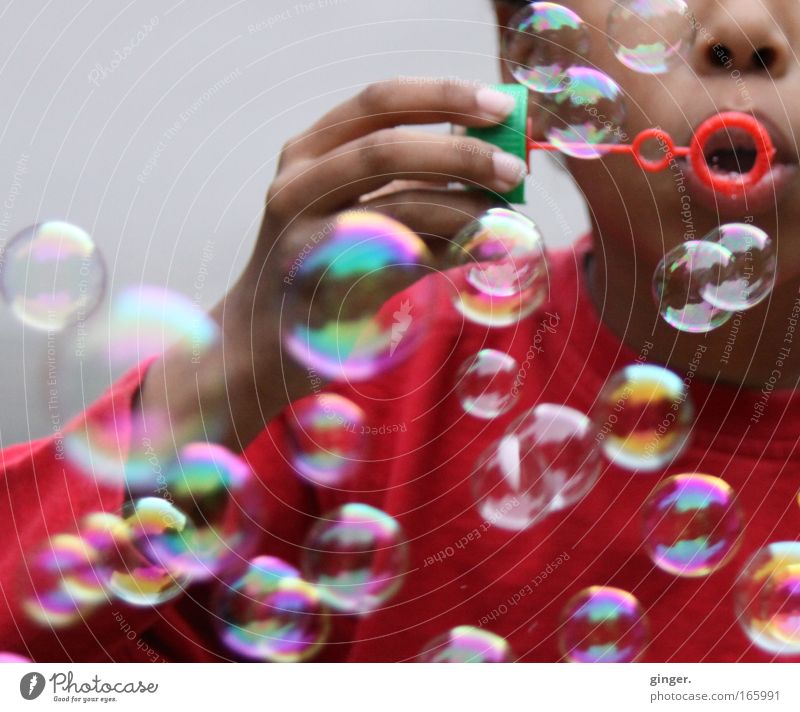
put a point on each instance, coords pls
(227, 393)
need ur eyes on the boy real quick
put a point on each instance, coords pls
(601, 316)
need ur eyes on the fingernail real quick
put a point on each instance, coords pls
(509, 170)
(495, 104)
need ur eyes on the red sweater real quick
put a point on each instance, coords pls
(420, 475)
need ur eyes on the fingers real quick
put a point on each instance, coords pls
(338, 179)
(397, 102)
(437, 216)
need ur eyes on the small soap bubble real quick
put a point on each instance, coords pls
(651, 36)
(326, 438)
(52, 275)
(65, 587)
(465, 644)
(270, 613)
(585, 117)
(602, 624)
(222, 499)
(357, 556)
(13, 658)
(502, 268)
(485, 384)
(692, 525)
(542, 41)
(751, 276)
(767, 598)
(340, 316)
(130, 573)
(547, 461)
(644, 416)
(687, 273)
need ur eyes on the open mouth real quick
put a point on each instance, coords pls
(731, 151)
(745, 164)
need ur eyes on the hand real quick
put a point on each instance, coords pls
(359, 154)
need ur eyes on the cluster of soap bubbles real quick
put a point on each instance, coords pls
(549, 458)
(354, 560)
(701, 284)
(546, 47)
(192, 521)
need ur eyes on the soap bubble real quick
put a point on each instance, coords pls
(357, 557)
(692, 525)
(143, 323)
(270, 613)
(683, 278)
(501, 257)
(64, 585)
(52, 275)
(326, 440)
(586, 116)
(13, 658)
(465, 644)
(751, 276)
(542, 41)
(130, 572)
(767, 598)
(602, 624)
(651, 36)
(485, 384)
(221, 499)
(333, 321)
(548, 460)
(644, 415)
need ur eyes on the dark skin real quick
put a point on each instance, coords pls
(363, 153)
(632, 235)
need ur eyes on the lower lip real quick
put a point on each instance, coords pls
(760, 198)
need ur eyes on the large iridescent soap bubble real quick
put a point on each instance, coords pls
(644, 416)
(357, 556)
(692, 524)
(682, 280)
(751, 275)
(326, 439)
(542, 41)
(501, 268)
(485, 384)
(547, 461)
(52, 275)
(466, 644)
(223, 501)
(651, 36)
(271, 614)
(588, 115)
(340, 317)
(767, 598)
(602, 624)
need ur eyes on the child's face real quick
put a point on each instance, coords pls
(649, 211)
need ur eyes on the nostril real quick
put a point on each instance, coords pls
(719, 55)
(764, 58)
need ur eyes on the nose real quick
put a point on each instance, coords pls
(740, 35)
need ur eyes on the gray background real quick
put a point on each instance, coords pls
(277, 65)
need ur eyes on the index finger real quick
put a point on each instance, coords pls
(403, 101)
